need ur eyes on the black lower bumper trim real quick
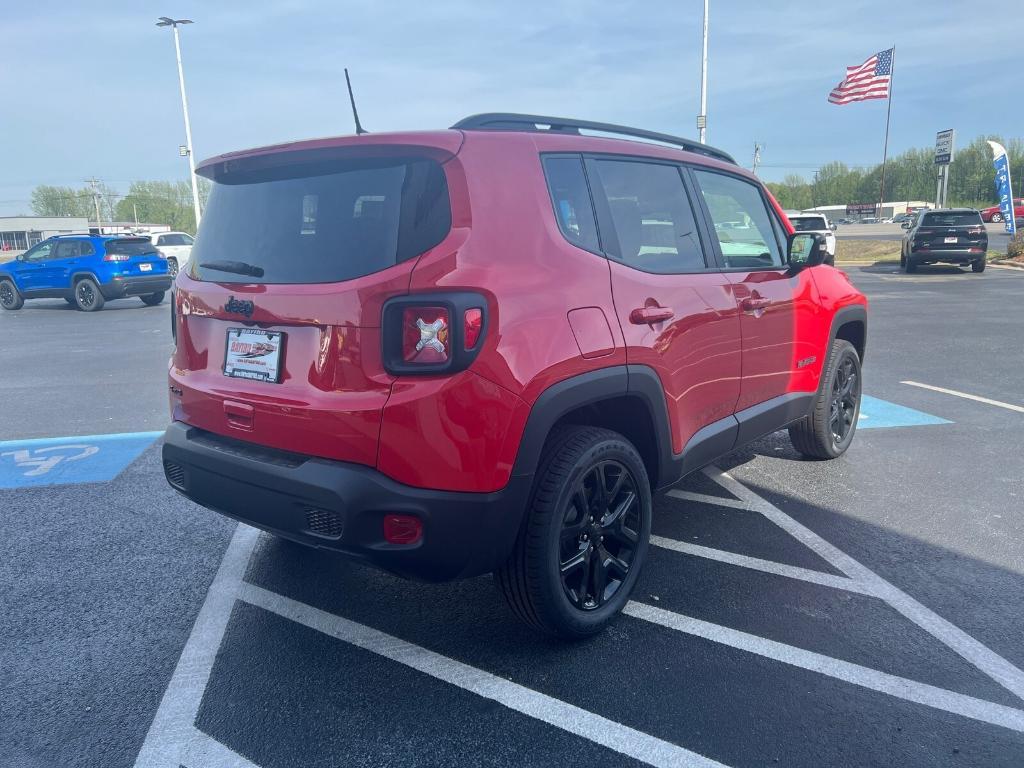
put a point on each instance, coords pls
(340, 506)
(120, 287)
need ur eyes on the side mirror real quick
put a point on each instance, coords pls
(833, 227)
(905, 224)
(806, 249)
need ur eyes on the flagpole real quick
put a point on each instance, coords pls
(888, 113)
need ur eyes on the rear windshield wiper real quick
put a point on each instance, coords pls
(238, 267)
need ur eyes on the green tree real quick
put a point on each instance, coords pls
(162, 202)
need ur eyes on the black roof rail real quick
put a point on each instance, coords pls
(507, 121)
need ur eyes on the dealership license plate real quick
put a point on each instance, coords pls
(254, 354)
(950, 239)
(145, 267)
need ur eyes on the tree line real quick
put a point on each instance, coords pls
(150, 202)
(908, 176)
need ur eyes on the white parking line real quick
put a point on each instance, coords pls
(982, 657)
(966, 396)
(704, 498)
(173, 727)
(899, 687)
(600, 730)
(766, 566)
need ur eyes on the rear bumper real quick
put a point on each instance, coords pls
(949, 257)
(135, 286)
(340, 506)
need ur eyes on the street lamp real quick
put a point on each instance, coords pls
(702, 118)
(173, 24)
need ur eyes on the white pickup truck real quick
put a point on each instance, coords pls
(817, 223)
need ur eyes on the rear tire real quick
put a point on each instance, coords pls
(152, 299)
(996, 218)
(828, 430)
(584, 537)
(910, 265)
(87, 295)
(978, 266)
(10, 298)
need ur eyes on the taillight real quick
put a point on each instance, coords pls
(473, 323)
(433, 333)
(426, 335)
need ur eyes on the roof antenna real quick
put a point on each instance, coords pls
(355, 115)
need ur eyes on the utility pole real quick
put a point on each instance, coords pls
(757, 158)
(174, 23)
(702, 118)
(93, 184)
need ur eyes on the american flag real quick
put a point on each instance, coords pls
(870, 80)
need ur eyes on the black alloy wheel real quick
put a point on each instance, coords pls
(9, 298)
(85, 295)
(600, 531)
(845, 399)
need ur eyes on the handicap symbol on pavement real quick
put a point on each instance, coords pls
(876, 413)
(64, 460)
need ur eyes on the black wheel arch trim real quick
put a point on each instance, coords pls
(856, 313)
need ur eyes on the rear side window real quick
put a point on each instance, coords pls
(742, 222)
(808, 223)
(952, 219)
(322, 222)
(571, 199)
(654, 223)
(133, 247)
(175, 239)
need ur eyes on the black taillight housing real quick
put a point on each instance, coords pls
(433, 333)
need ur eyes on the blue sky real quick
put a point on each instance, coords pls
(92, 88)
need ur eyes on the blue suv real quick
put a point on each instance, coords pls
(86, 271)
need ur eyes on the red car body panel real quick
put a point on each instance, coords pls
(988, 213)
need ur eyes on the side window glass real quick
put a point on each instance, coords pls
(743, 225)
(653, 217)
(571, 200)
(85, 248)
(66, 249)
(40, 252)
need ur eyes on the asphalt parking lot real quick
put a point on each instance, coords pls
(862, 612)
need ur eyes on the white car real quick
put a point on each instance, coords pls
(817, 223)
(175, 246)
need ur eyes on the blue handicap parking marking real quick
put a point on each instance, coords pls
(875, 414)
(64, 460)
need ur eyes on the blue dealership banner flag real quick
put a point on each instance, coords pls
(1004, 186)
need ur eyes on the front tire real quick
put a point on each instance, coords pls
(910, 265)
(828, 430)
(996, 218)
(172, 267)
(585, 535)
(87, 295)
(10, 298)
(152, 299)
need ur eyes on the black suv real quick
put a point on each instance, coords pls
(947, 236)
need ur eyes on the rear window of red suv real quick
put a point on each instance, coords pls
(321, 222)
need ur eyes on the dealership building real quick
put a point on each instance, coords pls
(19, 233)
(863, 210)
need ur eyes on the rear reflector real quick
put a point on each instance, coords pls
(473, 323)
(426, 335)
(402, 529)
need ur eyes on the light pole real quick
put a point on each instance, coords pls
(702, 118)
(173, 24)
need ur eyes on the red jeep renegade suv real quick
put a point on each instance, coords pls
(483, 349)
